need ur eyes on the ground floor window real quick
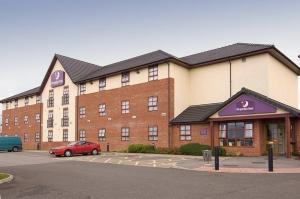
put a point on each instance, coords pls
(125, 134)
(37, 137)
(185, 132)
(26, 137)
(50, 136)
(101, 134)
(65, 135)
(152, 133)
(236, 134)
(82, 135)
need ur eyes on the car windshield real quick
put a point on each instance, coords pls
(72, 143)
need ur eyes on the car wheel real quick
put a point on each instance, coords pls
(68, 153)
(94, 152)
(15, 149)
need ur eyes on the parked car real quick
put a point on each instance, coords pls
(80, 147)
(10, 143)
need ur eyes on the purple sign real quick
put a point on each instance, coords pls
(246, 105)
(57, 78)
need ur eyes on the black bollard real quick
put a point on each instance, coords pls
(270, 158)
(217, 162)
(107, 147)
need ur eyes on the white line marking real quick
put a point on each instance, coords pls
(106, 161)
(137, 163)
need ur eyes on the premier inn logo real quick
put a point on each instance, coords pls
(245, 105)
(57, 78)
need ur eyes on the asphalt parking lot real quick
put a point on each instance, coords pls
(38, 175)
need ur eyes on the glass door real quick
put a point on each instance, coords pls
(275, 133)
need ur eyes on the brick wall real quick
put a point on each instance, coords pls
(31, 128)
(137, 120)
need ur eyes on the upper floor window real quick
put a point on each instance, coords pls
(37, 137)
(125, 79)
(26, 101)
(6, 121)
(125, 106)
(185, 132)
(26, 119)
(65, 113)
(102, 84)
(101, 134)
(152, 73)
(152, 103)
(26, 137)
(65, 97)
(7, 105)
(125, 134)
(82, 135)
(81, 112)
(16, 103)
(50, 119)
(65, 135)
(102, 109)
(51, 99)
(50, 114)
(236, 134)
(65, 119)
(152, 133)
(16, 121)
(50, 136)
(38, 99)
(38, 118)
(51, 93)
(82, 89)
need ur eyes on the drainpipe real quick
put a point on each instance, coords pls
(230, 79)
(76, 112)
(169, 107)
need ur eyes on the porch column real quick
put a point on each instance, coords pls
(288, 136)
(212, 133)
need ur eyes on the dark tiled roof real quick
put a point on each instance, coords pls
(200, 113)
(76, 69)
(224, 52)
(127, 64)
(197, 113)
(28, 93)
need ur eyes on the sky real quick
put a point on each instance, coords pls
(104, 32)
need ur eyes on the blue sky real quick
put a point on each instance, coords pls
(104, 32)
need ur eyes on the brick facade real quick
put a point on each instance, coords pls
(138, 119)
(31, 128)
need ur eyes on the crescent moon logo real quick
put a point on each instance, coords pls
(57, 75)
(245, 103)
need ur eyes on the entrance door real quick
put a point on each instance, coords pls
(275, 133)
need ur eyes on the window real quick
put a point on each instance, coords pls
(101, 134)
(125, 79)
(185, 132)
(51, 98)
(6, 121)
(26, 137)
(152, 73)
(50, 136)
(82, 135)
(65, 135)
(16, 103)
(50, 119)
(236, 134)
(26, 119)
(38, 99)
(65, 97)
(37, 137)
(152, 103)
(65, 119)
(82, 112)
(125, 134)
(82, 89)
(16, 121)
(152, 133)
(102, 84)
(26, 101)
(125, 106)
(7, 105)
(37, 118)
(102, 109)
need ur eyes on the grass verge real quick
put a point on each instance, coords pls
(3, 176)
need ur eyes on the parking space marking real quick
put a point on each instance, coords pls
(106, 161)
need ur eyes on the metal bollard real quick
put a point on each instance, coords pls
(270, 158)
(217, 162)
(107, 147)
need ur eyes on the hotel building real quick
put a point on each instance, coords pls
(239, 97)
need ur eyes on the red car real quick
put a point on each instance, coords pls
(80, 147)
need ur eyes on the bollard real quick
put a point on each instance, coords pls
(217, 158)
(107, 147)
(270, 158)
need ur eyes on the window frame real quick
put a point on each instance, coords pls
(65, 135)
(26, 137)
(26, 101)
(50, 136)
(82, 135)
(125, 106)
(102, 138)
(26, 119)
(82, 89)
(82, 112)
(125, 134)
(151, 135)
(102, 109)
(125, 78)
(16, 121)
(152, 104)
(152, 73)
(37, 137)
(185, 134)
(102, 84)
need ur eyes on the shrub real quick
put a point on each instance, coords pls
(193, 149)
(222, 151)
(141, 148)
